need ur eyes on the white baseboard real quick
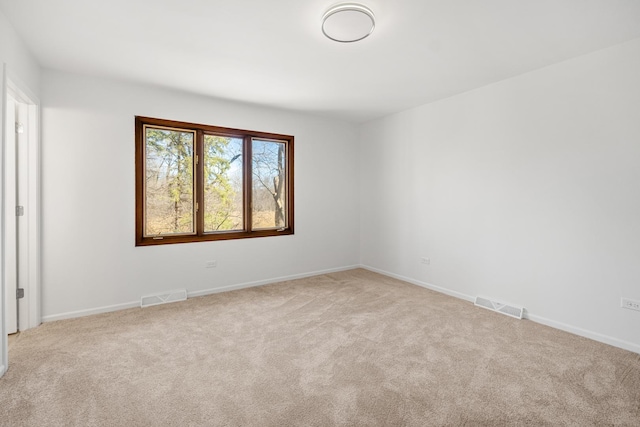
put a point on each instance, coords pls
(134, 304)
(534, 318)
(267, 281)
(2, 370)
(421, 284)
(585, 333)
(90, 311)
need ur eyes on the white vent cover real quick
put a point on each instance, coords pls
(164, 298)
(508, 309)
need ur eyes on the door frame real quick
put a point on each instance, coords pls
(30, 310)
(11, 223)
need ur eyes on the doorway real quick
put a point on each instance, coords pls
(12, 168)
(20, 185)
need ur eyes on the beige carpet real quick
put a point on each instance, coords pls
(350, 348)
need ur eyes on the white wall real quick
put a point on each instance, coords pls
(89, 257)
(527, 191)
(22, 67)
(16, 56)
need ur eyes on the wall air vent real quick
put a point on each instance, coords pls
(163, 298)
(508, 309)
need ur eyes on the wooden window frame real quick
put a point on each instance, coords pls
(200, 235)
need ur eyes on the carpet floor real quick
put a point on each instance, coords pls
(348, 348)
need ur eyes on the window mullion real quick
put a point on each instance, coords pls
(199, 182)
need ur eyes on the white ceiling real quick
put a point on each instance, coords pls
(272, 52)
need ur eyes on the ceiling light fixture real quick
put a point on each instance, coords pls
(348, 22)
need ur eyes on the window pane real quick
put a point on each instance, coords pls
(169, 182)
(223, 195)
(269, 184)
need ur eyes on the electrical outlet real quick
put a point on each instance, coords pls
(211, 264)
(630, 304)
(426, 261)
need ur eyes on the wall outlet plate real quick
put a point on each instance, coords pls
(630, 304)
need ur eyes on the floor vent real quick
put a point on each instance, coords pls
(164, 298)
(508, 309)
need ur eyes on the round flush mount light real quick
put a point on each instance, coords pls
(348, 22)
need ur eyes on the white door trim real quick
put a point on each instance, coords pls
(10, 219)
(4, 345)
(30, 315)
(30, 305)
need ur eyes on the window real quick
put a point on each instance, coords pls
(201, 183)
